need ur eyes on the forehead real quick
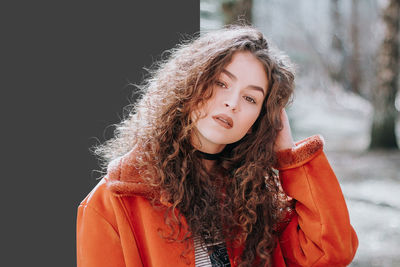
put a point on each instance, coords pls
(246, 69)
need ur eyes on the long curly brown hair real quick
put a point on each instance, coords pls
(238, 200)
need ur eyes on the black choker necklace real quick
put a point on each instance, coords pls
(209, 156)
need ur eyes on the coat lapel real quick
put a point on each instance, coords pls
(148, 225)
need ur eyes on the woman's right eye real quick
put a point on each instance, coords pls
(221, 84)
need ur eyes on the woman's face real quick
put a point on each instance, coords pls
(236, 101)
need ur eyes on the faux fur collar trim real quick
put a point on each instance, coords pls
(124, 179)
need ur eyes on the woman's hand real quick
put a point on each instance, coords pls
(284, 139)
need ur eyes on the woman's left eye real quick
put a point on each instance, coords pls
(249, 99)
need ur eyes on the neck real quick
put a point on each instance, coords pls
(208, 164)
(205, 146)
(209, 159)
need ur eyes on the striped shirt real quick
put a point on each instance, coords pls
(218, 258)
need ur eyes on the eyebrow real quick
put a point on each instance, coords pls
(233, 77)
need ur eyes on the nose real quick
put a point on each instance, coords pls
(232, 103)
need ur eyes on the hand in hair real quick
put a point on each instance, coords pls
(284, 140)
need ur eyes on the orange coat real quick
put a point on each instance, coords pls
(117, 226)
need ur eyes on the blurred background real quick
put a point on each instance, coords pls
(347, 64)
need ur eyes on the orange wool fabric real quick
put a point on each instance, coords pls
(117, 225)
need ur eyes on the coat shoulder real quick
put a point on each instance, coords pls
(100, 201)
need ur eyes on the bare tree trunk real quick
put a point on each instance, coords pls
(337, 68)
(354, 64)
(345, 66)
(237, 11)
(384, 119)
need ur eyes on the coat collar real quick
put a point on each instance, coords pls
(124, 179)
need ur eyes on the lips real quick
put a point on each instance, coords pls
(223, 120)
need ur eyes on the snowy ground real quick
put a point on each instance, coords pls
(370, 180)
(371, 185)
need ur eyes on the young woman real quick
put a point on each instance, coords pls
(192, 177)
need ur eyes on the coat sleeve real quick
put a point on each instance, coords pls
(319, 233)
(100, 240)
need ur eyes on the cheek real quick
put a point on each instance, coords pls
(200, 113)
(251, 119)
(207, 107)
